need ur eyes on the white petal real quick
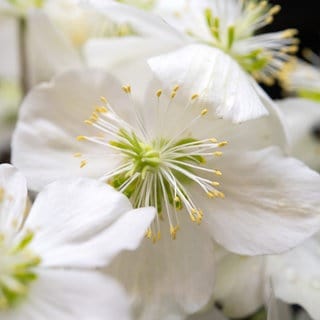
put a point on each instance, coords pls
(13, 198)
(220, 81)
(296, 276)
(84, 223)
(301, 116)
(171, 278)
(143, 23)
(48, 50)
(51, 118)
(71, 294)
(271, 202)
(278, 310)
(235, 275)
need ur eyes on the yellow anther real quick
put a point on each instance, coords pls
(217, 172)
(218, 153)
(83, 163)
(148, 233)
(173, 232)
(210, 194)
(215, 183)
(194, 96)
(81, 138)
(159, 235)
(176, 88)
(289, 33)
(269, 19)
(77, 155)
(159, 93)
(275, 9)
(101, 109)
(177, 199)
(221, 195)
(103, 99)
(290, 49)
(173, 94)
(89, 122)
(204, 112)
(263, 4)
(213, 140)
(222, 143)
(126, 89)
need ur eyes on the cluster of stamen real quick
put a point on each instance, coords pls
(17, 262)
(265, 56)
(156, 172)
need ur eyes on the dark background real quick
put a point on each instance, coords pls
(302, 15)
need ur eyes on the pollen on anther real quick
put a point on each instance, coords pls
(176, 88)
(159, 93)
(217, 172)
(83, 163)
(126, 89)
(103, 99)
(204, 112)
(218, 153)
(89, 122)
(173, 232)
(77, 155)
(222, 143)
(194, 96)
(81, 138)
(101, 109)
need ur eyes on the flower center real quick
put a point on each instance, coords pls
(231, 28)
(159, 171)
(16, 267)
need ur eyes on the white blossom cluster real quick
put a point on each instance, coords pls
(151, 176)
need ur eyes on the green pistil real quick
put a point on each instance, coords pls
(251, 62)
(147, 160)
(16, 271)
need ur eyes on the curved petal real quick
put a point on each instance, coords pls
(13, 198)
(271, 202)
(302, 117)
(215, 76)
(296, 276)
(171, 278)
(84, 223)
(48, 50)
(235, 275)
(50, 119)
(71, 294)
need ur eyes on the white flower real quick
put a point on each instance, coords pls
(58, 36)
(219, 71)
(294, 275)
(172, 155)
(48, 255)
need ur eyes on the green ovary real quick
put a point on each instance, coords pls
(16, 270)
(143, 178)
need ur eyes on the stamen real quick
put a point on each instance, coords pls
(157, 171)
